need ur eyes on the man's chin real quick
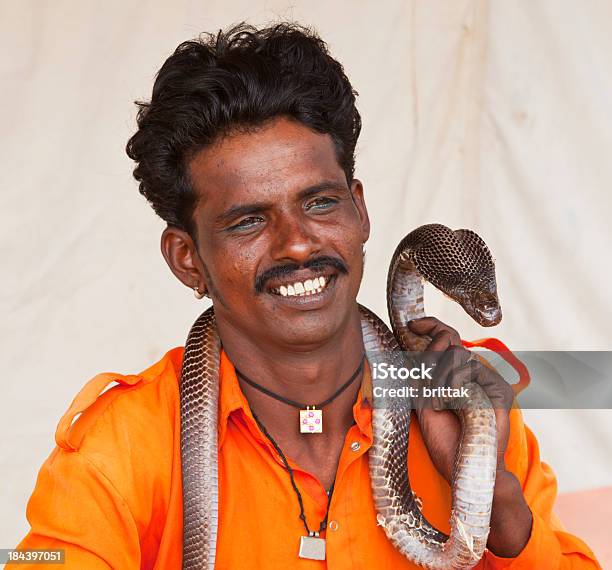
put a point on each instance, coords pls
(313, 328)
(307, 333)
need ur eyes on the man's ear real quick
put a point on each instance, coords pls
(357, 193)
(182, 257)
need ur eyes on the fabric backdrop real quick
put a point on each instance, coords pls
(491, 116)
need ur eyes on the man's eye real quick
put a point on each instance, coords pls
(247, 223)
(320, 203)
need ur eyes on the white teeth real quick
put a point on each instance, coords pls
(300, 289)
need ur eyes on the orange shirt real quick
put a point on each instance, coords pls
(110, 493)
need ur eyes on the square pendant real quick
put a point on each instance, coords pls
(311, 421)
(312, 548)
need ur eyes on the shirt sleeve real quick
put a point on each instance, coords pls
(549, 545)
(74, 507)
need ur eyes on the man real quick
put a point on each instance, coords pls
(246, 150)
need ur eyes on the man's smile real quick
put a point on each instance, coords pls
(302, 288)
(299, 288)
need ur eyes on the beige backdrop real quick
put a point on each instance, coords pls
(490, 115)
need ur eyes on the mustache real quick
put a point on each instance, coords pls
(288, 269)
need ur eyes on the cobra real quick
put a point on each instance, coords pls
(459, 264)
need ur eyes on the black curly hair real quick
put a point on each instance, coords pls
(237, 79)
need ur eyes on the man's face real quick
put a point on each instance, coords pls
(275, 215)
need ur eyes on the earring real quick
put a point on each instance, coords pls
(197, 293)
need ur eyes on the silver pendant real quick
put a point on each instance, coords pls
(312, 547)
(311, 420)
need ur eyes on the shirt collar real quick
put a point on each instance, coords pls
(231, 399)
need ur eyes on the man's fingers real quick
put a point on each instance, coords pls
(432, 327)
(457, 367)
(440, 342)
(452, 358)
(444, 355)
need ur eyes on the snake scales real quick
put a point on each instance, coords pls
(458, 263)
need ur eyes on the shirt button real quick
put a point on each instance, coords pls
(333, 525)
(355, 446)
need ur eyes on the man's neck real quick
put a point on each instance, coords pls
(306, 374)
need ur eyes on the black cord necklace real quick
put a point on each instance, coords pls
(311, 416)
(312, 546)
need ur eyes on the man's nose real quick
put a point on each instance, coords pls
(294, 240)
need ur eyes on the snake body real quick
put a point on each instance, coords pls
(458, 263)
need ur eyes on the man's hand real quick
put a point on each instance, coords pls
(511, 518)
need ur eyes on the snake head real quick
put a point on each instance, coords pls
(458, 263)
(482, 306)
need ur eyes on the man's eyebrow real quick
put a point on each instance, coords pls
(322, 187)
(258, 207)
(242, 210)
